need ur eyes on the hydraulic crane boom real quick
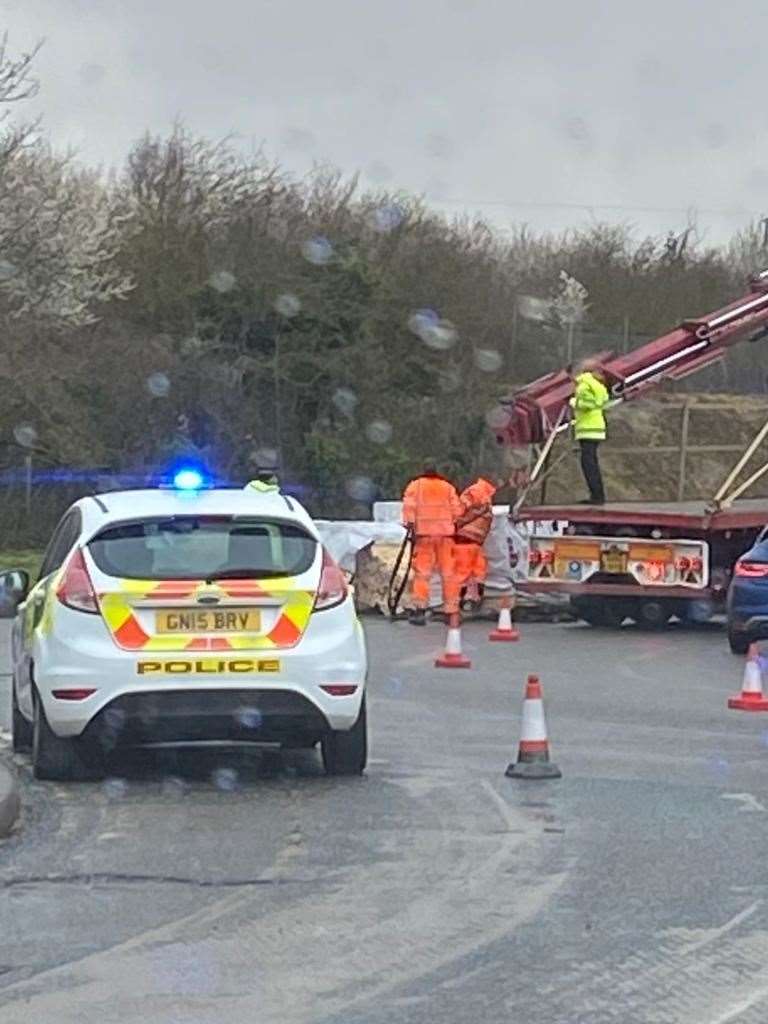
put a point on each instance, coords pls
(541, 407)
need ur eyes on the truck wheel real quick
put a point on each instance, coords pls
(60, 759)
(21, 729)
(738, 642)
(652, 614)
(346, 752)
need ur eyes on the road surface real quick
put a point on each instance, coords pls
(633, 890)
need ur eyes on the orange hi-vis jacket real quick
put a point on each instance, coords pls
(477, 512)
(431, 506)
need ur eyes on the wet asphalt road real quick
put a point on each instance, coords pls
(633, 890)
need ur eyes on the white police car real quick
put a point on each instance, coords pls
(185, 617)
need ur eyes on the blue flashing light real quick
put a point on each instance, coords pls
(188, 479)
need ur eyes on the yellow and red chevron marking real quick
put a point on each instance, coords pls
(117, 610)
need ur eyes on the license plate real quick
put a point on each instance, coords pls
(613, 562)
(209, 620)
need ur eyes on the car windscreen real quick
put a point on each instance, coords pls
(203, 548)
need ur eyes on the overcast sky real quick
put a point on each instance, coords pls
(554, 112)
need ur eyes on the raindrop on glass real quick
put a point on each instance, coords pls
(488, 360)
(223, 281)
(317, 250)
(114, 789)
(361, 488)
(288, 305)
(531, 308)
(387, 218)
(345, 400)
(248, 718)
(25, 435)
(7, 270)
(225, 779)
(420, 321)
(158, 385)
(498, 417)
(378, 431)
(441, 335)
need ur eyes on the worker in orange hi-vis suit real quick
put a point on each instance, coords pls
(430, 508)
(472, 527)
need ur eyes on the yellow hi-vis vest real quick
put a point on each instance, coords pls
(589, 400)
(262, 487)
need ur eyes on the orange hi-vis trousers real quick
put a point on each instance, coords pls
(471, 565)
(430, 553)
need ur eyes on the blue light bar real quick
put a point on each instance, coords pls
(188, 479)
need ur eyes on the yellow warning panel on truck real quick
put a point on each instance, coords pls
(208, 667)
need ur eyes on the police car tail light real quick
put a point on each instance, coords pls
(751, 569)
(332, 588)
(76, 589)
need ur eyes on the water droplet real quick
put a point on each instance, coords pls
(394, 686)
(248, 718)
(288, 305)
(422, 320)
(91, 74)
(114, 789)
(378, 431)
(439, 146)
(387, 218)
(223, 281)
(299, 138)
(345, 400)
(531, 308)
(174, 787)
(25, 435)
(441, 335)
(114, 719)
(498, 417)
(488, 360)
(225, 779)
(7, 270)
(361, 488)
(379, 172)
(158, 385)
(317, 250)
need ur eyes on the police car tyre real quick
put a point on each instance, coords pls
(738, 642)
(21, 729)
(61, 760)
(652, 614)
(345, 752)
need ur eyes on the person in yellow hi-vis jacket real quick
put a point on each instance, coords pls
(590, 398)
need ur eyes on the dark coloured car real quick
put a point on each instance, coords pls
(748, 597)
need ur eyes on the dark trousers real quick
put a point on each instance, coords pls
(590, 467)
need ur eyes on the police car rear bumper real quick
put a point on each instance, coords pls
(197, 716)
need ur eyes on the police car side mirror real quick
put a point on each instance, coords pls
(14, 587)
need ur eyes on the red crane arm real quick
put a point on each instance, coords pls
(535, 410)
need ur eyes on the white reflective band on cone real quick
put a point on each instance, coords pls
(505, 619)
(534, 724)
(753, 678)
(453, 642)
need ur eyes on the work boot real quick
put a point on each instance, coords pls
(418, 617)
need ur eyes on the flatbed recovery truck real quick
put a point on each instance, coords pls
(648, 561)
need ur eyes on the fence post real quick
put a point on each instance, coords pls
(683, 448)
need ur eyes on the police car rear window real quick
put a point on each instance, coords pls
(201, 547)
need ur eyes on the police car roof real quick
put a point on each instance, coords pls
(122, 505)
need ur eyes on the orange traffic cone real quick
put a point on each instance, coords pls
(505, 628)
(452, 657)
(751, 697)
(533, 754)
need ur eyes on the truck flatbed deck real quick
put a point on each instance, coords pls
(750, 512)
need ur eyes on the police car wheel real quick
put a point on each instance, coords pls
(58, 759)
(21, 729)
(346, 752)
